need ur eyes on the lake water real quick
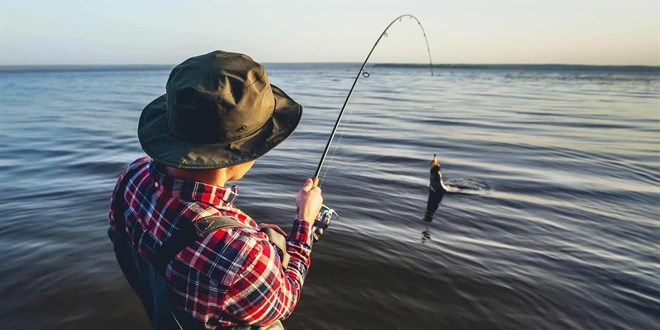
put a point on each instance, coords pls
(564, 232)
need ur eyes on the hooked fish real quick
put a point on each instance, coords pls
(437, 190)
(437, 184)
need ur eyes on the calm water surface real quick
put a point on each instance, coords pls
(566, 236)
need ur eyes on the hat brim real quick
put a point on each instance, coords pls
(167, 148)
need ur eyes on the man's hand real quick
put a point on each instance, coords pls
(272, 226)
(309, 202)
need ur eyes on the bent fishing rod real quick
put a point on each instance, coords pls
(362, 72)
(326, 214)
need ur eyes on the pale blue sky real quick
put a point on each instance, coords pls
(167, 32)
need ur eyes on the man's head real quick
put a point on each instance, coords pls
(219, 111)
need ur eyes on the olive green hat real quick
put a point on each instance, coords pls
(219, 110)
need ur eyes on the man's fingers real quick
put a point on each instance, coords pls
(308, 185)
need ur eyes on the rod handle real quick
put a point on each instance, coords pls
(315, 182)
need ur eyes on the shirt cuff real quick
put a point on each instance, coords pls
(301, 232)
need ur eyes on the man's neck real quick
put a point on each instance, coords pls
(216, 177)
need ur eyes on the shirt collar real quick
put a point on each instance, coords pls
(193, 190)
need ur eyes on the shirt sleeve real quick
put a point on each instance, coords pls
(120, 180)
(264, 292)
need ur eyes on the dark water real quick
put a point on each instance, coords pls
(566, 236)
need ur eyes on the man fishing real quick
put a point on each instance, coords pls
(195, 260)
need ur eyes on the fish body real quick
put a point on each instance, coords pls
(437, 190)
(436, 183)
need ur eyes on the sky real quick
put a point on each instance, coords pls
(471, 32)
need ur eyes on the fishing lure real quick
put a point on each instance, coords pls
(327, 214)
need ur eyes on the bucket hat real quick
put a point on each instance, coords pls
(219, 110)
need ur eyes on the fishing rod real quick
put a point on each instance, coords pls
(326, 214)
(362, 72)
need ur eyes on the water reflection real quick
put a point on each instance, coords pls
(573, 163)
(435, 197)
(426, 235)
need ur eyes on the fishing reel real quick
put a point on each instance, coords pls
(323, 221)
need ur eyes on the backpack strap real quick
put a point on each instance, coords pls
(187, 232)
(205, 226)
(277, 239)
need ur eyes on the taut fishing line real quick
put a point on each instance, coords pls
(326, 214)
(334, 151)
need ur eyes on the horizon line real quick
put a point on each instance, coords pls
(335, 62)
(348, 62)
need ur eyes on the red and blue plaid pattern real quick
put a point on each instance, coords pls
(233, 276)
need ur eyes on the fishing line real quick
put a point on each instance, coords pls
(365, 74)
(334, 151)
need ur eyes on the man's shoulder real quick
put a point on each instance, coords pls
(133, 166)
(142, 161)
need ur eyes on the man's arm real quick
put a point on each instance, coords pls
(264, 292)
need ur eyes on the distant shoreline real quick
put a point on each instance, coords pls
(553, 67)
(158, 67)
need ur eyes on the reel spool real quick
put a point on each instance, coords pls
(323, 221)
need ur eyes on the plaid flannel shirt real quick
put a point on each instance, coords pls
(229, 277)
